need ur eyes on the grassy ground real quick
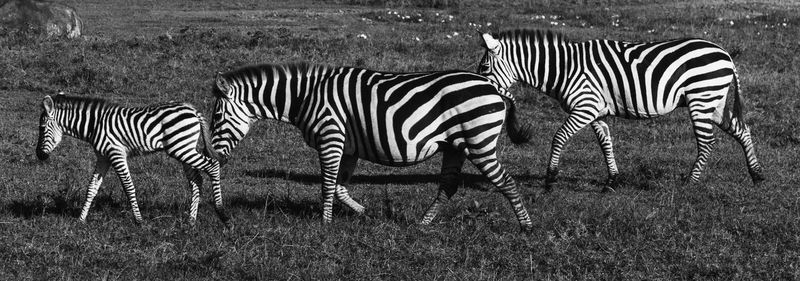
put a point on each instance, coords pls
(653, 227)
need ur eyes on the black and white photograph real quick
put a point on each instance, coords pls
(399, 140)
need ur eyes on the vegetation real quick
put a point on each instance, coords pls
(653, 226)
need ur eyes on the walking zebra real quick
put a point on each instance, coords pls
(597, 78)
(116, 132)
(394, 119)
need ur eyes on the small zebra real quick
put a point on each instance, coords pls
(393, 119)
(598, 78)
(116, 132)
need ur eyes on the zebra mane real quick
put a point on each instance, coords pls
(249, 69)
(531, 35)
(294, 67)
(65, 102)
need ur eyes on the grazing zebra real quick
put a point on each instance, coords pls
(394, 119)
(116, 132)
(597, 78)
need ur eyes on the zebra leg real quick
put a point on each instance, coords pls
(489, 166)
(604, 139)
(704, 134)
(193, 162)
(740, 131)
(195, 182)
(100, 169)
(346, 169)
(330, 158)
(452, 161)
(578, 118)
(120, 165)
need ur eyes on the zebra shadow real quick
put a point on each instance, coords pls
(473, 181)
(62, 203)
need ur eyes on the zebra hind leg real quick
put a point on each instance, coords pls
(195, 182)
(346, 169)
(193, 162)
(604, 139)
(452, 161)
(740, 131)
(704, 135)
(491, 168)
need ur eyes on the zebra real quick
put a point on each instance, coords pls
(599, 78)
(116, 132)
(393, 119)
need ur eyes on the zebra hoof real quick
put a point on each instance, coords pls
(526, 229)
(757, 177)
(229, 227)
(607, 189)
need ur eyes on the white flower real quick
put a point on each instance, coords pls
(731, 22)
(416, 38)
(455, 33)
(362, 36)
(488, 24)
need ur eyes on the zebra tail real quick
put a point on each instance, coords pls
(518, 133)
(738, 104)
(208, 149)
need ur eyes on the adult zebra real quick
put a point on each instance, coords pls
(597, 78)
(116, 132)
(394, 119)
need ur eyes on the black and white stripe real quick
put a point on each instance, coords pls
(116, 132)
(597, 78)
(394, 119)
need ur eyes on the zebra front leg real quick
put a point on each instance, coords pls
(346, 169)
(604, 139)
(578, 118)
(330, 158)
(120, 164)
(100, 168)
(452, 161)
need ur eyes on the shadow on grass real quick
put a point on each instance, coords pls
(472, 181)
(56, 204)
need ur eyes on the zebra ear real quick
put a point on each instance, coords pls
(223, 86)
(490, 43)
(47, 104)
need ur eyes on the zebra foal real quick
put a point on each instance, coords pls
(116, 132)
(599, 78)
(394, 119)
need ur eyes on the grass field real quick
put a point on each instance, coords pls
(653, 227)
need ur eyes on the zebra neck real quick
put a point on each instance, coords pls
(80, 124)
(552, 66)
(284, 96)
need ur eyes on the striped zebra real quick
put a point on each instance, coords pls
(116, 132)
(394, 119)
(598, 78)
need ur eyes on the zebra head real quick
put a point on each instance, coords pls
(495, 63)
(231, 119)
(50, 131)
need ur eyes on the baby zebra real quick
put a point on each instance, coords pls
(117, 132)
(393, 119)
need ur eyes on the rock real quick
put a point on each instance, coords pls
(46, 18)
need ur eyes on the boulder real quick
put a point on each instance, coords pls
(50, 19)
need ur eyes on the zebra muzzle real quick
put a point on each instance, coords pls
(42, 155)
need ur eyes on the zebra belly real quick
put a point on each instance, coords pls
(426, 151)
